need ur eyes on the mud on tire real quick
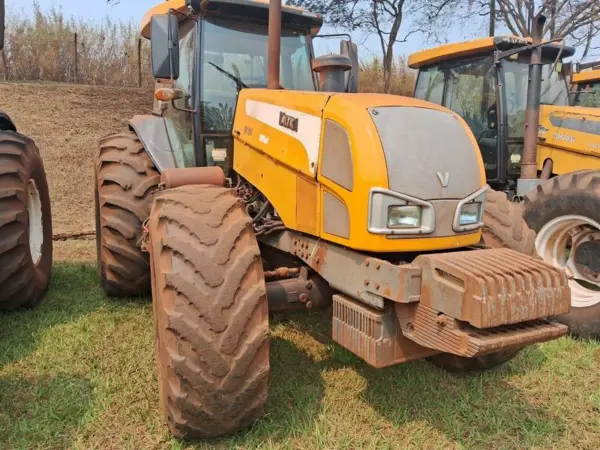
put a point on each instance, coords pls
(25, 223)
(578, 194)
(125, 181)
(504, 226)
(210, 312)
(454, 363)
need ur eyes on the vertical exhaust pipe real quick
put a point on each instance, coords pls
(528, 180)
(274, 44)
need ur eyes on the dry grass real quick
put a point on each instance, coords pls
(40, 46)
(403, 78)
(66, 122)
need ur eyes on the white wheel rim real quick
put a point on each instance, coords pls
(557, 244)
(36, 229)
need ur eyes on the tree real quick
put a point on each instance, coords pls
(578, 20)
(382, 18)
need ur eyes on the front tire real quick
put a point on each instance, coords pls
(504, 226)
(25, 223)
(125, 181)
(565, 213)
(210, 312)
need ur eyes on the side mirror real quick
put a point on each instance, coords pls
(350, 49)
(2, 23)
(164, 40)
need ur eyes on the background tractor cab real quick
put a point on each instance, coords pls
(485, 81)
(203, 60)
(586, 85)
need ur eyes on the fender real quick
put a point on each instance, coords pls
(152, 132)
(6, 123)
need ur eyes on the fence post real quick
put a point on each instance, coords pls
(139, 62)
(76, 61)
(5, 62)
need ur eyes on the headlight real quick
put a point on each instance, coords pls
(470, 214)
(404, 216)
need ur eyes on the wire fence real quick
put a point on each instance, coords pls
(78, 61)
(46, 46)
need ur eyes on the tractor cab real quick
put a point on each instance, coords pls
(586, 85)
(205, 52)
(485, 81)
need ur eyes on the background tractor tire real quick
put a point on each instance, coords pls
(565, 212)
(210, 312)
(504, 226)
(25, 223)
(453, 363)
(125, 181)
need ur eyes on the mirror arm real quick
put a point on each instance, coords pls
(177, 108)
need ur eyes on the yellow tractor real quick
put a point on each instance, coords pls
(25, 218)
(493, 86)
(586, 85)
(257, 186)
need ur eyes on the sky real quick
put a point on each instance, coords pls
(135, 9)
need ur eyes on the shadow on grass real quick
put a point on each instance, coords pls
(74, 292)
(39, 410)
(477, 410)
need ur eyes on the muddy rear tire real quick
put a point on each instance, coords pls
(504, 226)
(453, 363)
(565, 213)
(210, 312)
(125, 181)
(25, 223)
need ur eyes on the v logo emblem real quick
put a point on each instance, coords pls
(444, 178)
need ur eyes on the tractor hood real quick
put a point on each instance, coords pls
(429, 153)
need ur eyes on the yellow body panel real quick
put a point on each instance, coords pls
(276, 161)
(590, 76)
(568, 148)
(180, 5)
(459, 50)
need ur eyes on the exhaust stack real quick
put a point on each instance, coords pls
(528, 180)
(274, 49)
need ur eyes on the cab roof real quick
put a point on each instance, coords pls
(588, 76)
(237, 9)
(477, 47)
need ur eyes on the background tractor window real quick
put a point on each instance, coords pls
(241, 50)
(430, 85)
(587, 96)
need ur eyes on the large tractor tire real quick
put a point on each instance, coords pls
(504, 226)
(454, 363)
(210, 312)
(565, 213)
(125, 181)
(25, 223)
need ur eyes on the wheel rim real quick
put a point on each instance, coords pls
(565, 242)
(36, 229)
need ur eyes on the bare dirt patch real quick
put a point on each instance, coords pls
(66, 121)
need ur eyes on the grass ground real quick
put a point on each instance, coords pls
(78, 371)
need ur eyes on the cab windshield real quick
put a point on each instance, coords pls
(234, 49)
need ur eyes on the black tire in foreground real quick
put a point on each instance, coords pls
(564, 199)
(125, 181)
(210, 312)
(25, 223)
(504, 226)
(453, 363)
